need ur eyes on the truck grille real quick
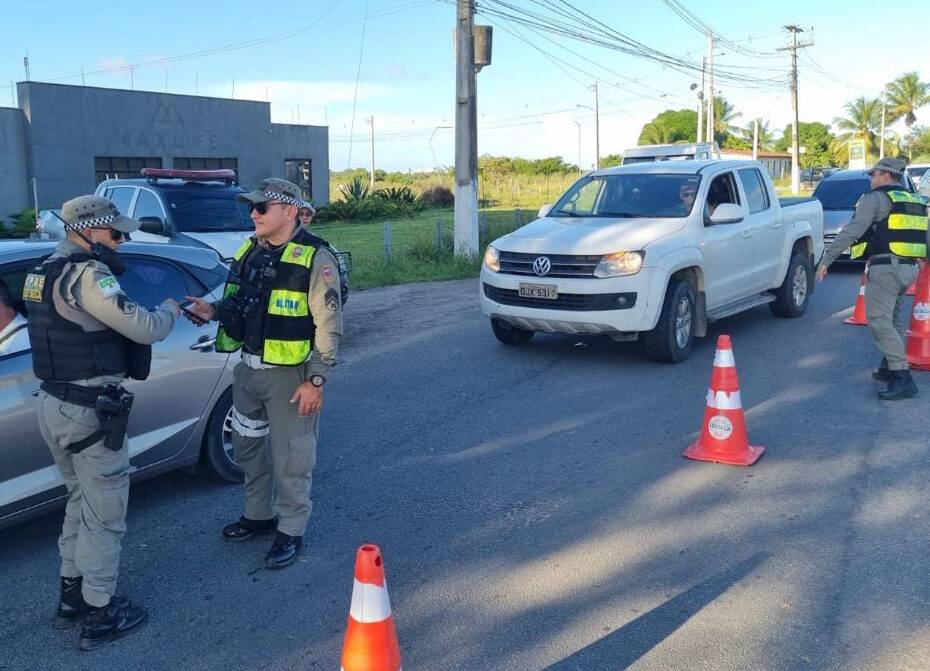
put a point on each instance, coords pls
(563, 265)
(577, 302)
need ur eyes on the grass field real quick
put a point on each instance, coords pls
(416, 256)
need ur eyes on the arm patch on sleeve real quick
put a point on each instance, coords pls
(109, 286)
(331, 300)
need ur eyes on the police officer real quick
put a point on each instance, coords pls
(87, 336)
(305, 214)
(889, 230)
(282, 308)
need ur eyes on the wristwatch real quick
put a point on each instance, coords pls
(317, 380)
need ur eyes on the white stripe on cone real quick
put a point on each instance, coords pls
(370, 603)
(722, 400)
(724, 359)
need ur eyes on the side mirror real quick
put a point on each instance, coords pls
(727, 213)
(544, 210)
(153, 225)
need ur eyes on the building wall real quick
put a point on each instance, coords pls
(14, 176)
(71, 125)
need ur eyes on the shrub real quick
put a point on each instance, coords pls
(23, 224)
(440, 196)
(403, 194)
(355, 191)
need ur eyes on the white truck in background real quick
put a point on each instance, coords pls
(656, 250)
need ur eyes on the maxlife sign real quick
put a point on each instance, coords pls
(857, 155)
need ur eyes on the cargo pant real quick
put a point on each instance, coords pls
(274, 446)
(884, 293)
(97, 480)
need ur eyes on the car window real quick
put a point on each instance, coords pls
(121, 196)
(195, 209)
(757, 197)
(147, 205)
(12, 280)
(841, 194)
(149, 281)
(721, 190)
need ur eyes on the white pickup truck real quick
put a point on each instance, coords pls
(656, 250)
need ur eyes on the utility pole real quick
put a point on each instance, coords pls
(466, 133)
(597, 130)
(26, 65)
(579, 144)
(710, 99)
(371, 122)
(795, 131)
(881, 141)
(700, 118)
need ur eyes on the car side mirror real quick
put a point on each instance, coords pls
(727, 213)
(153, 225)
(544, 210)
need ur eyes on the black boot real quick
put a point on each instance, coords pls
(102, 625)
(284, 551)
(901, 386)
(71, 604)
(882, 374)
(245, 528)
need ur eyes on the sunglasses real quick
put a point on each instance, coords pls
(262, 208)
(116, 236)
(687, 194)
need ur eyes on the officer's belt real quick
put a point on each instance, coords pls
(888, 260)
(255, 361)
(73, 393)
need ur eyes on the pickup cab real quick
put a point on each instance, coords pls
(654, 250)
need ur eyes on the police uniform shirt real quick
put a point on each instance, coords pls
(14, 337)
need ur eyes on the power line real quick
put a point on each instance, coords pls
(358, 75)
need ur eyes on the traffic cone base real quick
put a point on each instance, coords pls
(859, 318)
(723, 434)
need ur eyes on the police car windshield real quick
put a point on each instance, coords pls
(206, 210)
(624, 195)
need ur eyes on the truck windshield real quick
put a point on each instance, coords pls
(652, 196)
(206, 210)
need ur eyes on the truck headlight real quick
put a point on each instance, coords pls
(492, 259)
(619, 263)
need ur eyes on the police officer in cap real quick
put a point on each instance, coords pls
(889, 231)
(282, 309)
(87, 336)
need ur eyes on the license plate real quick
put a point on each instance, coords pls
(548, 291)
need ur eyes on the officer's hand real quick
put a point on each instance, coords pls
(308, 399)
(200, 308)
(821, 272)
(173, 304)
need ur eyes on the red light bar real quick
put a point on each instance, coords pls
(194, 175)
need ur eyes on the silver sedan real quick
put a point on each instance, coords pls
(181, 413)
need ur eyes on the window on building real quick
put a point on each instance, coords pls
(187, 163)
(297, 170)
(122, 167)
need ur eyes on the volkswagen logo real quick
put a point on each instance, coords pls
(542, 266)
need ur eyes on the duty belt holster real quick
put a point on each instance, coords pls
(111, 404)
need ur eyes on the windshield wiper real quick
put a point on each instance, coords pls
(619, 214)
(567, 213)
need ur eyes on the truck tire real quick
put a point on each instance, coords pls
(792, 297)
(510, 335)
(216, 454)
(671, 340)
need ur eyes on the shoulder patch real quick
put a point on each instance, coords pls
(32, 288)
(109, 286)
(329, 276)
(331, 300)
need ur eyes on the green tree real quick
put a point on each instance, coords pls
(766, 136)
(669, 127)
(904, 96)
(816, 139)
(917, 144)
(862, 122)
(724, 117)
(611, 160)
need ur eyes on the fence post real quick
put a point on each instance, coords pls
(440, 236)
(388, 243)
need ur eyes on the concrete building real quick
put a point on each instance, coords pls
(778, 163)
(70, 138)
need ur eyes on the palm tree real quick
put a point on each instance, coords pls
(766, 136)
(724, 116)
(904, 96)
(863, 122)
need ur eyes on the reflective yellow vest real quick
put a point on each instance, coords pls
(287, 326)
(903, 232)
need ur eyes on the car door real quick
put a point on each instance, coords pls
(764, 226)
(27, 472)
(726, 248)
(185, 367)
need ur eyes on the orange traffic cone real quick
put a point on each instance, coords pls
(371, 640)
(858, 318)
(723, 436)
(918, 333)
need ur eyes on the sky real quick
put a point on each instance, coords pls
(340, 62)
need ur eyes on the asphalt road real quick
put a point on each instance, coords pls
(535, 512)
